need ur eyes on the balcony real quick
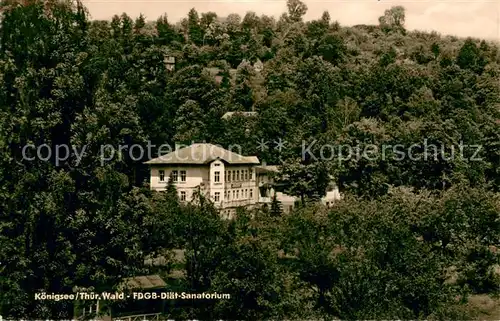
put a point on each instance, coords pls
(237, 203)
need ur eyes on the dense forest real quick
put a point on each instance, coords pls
(412, 238)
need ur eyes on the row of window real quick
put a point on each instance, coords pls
(245, 194)
(175, 176)
(234, 175)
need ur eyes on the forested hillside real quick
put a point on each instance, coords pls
(70, 218)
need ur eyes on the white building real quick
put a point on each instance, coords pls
(258, 66)
(230, 114)
(169, 62)
(229, 179)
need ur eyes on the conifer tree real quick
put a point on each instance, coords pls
(276, 207)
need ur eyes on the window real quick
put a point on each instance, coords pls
(183, 176)
(238, 194)
(246, 193)
(225, 195)
(250, 174)
(234, 193)
(216, 164)
(183, 196)
(217, 196)
(175, 176)
(162, 175)
(228, 176)
(251, 193)
(234, 175)
(246, 174)
(225, 176)
(237, 175)
(217, 177)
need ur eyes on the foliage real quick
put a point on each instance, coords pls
(86, 218)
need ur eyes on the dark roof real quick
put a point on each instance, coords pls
(143, 282)
(135, 283)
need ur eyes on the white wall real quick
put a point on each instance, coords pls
(244, 187)
(204, 174)
(194, 177)
(217, 187)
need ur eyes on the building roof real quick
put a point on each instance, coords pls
(134, 283)
(258, 65)
(239, 113)
(266, 169)
(202, 153)
(143, 282)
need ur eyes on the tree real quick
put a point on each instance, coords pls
(243, 90)
(207, 19)
(195, 31)
(233, 22)
(37, 250)
(166, 32)
(276, 207)
(349, 265)
(470, 57)
(189, 122)
(139, 24)
(250, 22)
(332, 48)
(325, 18)
(393, 18)
(171, 190)
(346, 112)
(304, 180)
(420, 199)
(296, 10)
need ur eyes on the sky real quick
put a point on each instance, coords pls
(474, 18)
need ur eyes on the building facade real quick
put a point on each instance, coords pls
(169, 62)
(228, 179)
